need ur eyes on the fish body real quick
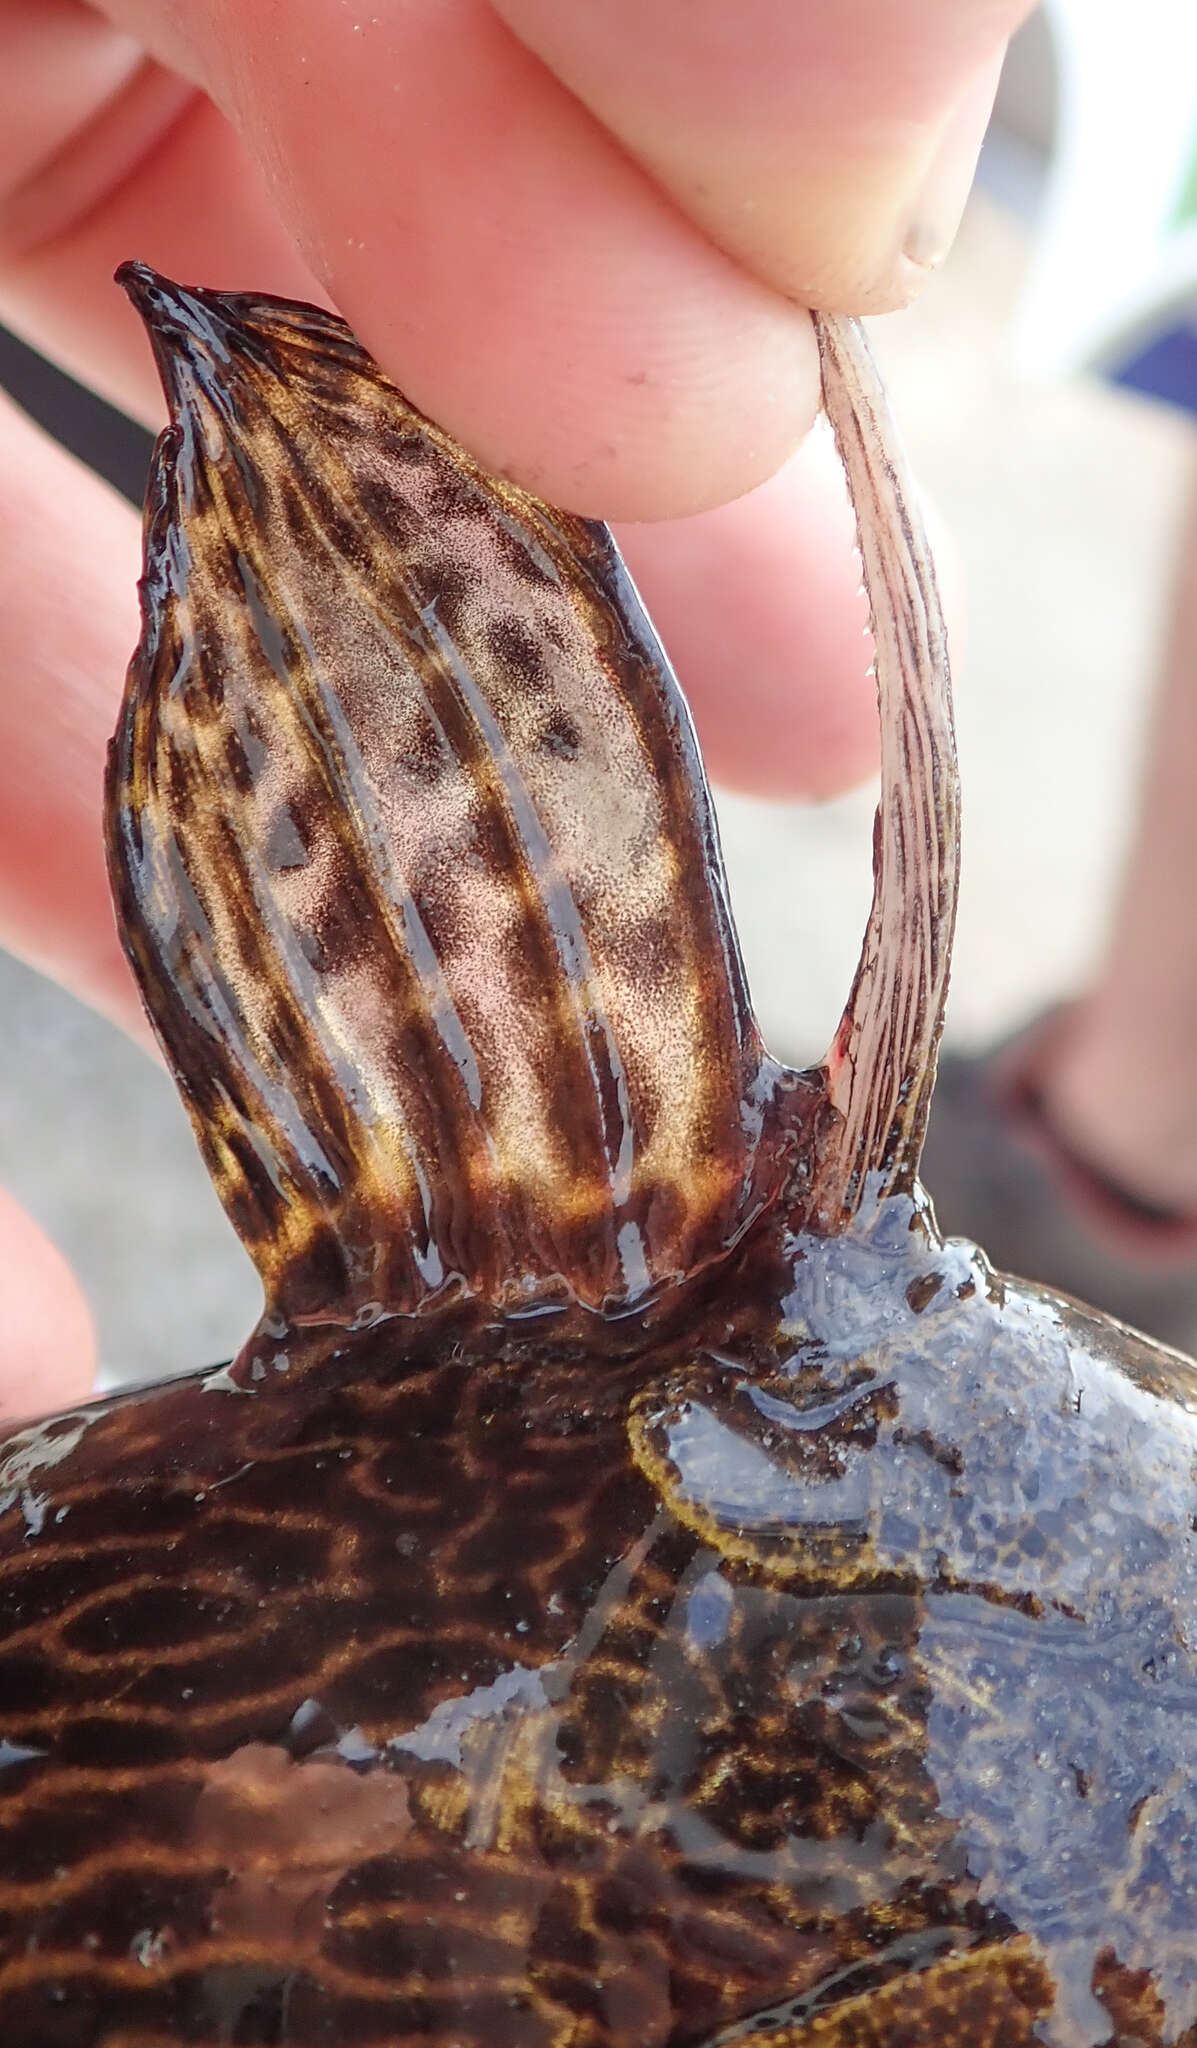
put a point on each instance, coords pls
(699, 1692)
(638, 1586)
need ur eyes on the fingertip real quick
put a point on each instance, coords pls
(47, 1337)
(525, 282)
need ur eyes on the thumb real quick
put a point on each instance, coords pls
(828, 145)
(580, 237)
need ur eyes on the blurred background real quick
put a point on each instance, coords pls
(1031, 383)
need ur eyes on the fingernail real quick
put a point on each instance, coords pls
(935, 216)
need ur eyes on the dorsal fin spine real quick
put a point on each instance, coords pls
(881, 1067)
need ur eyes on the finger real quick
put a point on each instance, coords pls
(827, 144)
(523, 280)
(47, 1341)
(145, 166)
(761, 608)
(515, 271)
(68, 623)
(554, 308)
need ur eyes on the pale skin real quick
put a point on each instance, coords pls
(1120, 1080)
(583, 238)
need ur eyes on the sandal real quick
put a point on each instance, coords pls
(997, 1173)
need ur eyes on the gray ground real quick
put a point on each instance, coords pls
(1064, 501)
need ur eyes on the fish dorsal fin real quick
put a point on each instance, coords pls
(414, 856)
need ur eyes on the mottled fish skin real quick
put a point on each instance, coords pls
(736, 1683)
(638, 1587)
(434, 1029)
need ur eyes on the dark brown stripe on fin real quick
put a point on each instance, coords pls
(414, 854)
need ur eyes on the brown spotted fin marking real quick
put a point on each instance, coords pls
(414, 854)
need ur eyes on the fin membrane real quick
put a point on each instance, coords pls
(414, 855)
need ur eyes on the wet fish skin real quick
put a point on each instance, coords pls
(638, 1585)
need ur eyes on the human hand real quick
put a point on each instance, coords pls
(580, 237)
